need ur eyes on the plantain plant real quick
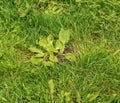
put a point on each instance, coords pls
(47, 50)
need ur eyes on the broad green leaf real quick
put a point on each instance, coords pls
(53, 58)
(92, 96)
(39, 55)
(35, 60)
(59, 46)
(48, 63)
(50, 40)
(46, 43)
(35, 50)
(64, 35)
(43, 42)
(54, 50)
(71, 57)
(50, 44)
(67, 97)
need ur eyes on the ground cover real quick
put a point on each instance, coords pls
(95, 40)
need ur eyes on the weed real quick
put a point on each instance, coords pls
(51, 53)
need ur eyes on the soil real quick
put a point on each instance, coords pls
(61, 58)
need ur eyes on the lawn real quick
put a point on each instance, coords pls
(94, 77)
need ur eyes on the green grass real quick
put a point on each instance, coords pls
(95, 29)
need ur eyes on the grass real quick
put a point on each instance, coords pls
(93, 78)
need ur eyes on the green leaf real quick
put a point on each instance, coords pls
(78, 97)
(50, 40)
(64, 35)
(53, 58)
(67, 97)
(1, 54)
(48, 63)
(35, 60)
(39, 55)
(51, 86)
(71, 57)
(92, 96)
(47, 43)
(78, 0)
(35, 50)
(117, 52)
(42, 42)
(59, 46)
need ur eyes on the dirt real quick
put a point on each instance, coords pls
(61, 58)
